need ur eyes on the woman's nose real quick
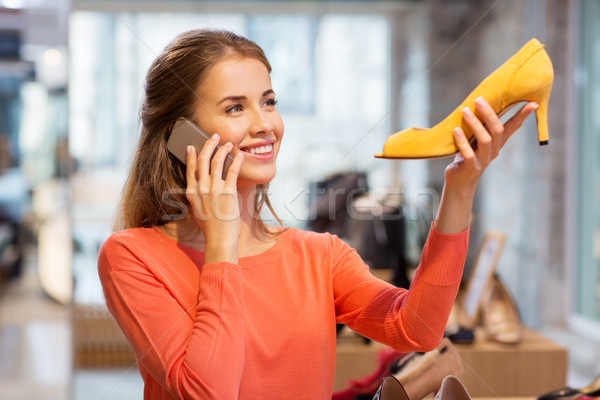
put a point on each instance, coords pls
(261, 123)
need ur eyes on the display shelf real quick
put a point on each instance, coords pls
(528, 369)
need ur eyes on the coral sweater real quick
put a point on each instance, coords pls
(265, 327)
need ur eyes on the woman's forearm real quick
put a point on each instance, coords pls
(454, 212)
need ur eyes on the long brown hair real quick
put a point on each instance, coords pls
(154, 192)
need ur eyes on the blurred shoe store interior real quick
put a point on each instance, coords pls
(348, 74)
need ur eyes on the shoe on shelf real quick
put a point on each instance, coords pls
(568, 393)
(424, 373)
(391, 389)
(526, 76)
(459, 334)
(458, 330)
(500, 315)
(452, 389)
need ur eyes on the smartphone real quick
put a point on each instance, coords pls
(185, 133)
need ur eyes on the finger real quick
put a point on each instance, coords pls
(462, 143)
(494, 126)
(191, 170)
(484, 139)
(218, 160)
(191, 176)
(234, 170)
(205, 156)
(517, 120)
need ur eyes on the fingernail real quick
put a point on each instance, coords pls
(535, 105)
(229, 144)
(479, 101)
(215, 136)
(188, 148)
(457, 131)
(467, 112)
(239, 154)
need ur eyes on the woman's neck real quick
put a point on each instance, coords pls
(246, 200)
(186, 231)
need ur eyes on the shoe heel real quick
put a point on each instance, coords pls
(541, 115)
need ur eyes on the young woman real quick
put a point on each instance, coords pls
(218, 304)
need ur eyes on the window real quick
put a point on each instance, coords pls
(330, 73)
(587, 244)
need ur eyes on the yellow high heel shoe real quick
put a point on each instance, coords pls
(526, 76)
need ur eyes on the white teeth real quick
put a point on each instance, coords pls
(262, 149)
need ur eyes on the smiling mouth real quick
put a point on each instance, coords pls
(258, 150)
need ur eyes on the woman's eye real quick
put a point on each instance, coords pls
(234, 108)
(270, 102)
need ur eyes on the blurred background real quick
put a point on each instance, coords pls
(347, 75)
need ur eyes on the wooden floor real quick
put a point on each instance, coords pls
(34, 342)
(35, 350)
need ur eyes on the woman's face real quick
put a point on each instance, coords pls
(237, 102)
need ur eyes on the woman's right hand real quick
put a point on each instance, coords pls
(214, 201)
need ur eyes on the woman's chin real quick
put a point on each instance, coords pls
(258, 176)
(253, 181)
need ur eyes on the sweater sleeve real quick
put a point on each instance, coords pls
(195, 353)
(407, 320)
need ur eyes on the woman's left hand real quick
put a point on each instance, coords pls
(454, 212)
(491, 136)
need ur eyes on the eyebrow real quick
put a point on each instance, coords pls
(241, 98)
